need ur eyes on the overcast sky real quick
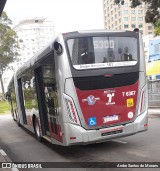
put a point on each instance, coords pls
(67, 15)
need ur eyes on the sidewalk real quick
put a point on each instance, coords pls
(4, 158)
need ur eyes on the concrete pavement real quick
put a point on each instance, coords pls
(5, 158)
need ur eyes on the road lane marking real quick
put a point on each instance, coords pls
(2, 152)
(119, 141)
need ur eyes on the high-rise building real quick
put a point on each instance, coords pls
(33, 34)
(117, 17)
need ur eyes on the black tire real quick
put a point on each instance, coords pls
(37, 130)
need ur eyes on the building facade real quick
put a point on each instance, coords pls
(33, 34)
(152, 55)
(151, 47)
(117, 17)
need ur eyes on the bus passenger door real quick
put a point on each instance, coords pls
(51, 100)
(41, 101)
(22, 101)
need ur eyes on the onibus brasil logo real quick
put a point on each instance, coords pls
(91, 100)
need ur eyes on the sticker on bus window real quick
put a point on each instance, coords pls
(130, 102)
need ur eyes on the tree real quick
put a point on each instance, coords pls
(135, 3)
(153, 9)
(152, 13)
(8, 45)
(157, 28)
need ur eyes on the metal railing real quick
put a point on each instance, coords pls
(154, 93)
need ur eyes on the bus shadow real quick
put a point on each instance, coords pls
(85, 153)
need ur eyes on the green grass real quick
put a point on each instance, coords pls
(4, 107)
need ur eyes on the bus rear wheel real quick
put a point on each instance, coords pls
(37, 129)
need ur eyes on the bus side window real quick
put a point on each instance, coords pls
(51, 106)
(51, 99)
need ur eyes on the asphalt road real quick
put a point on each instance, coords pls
(21, 146)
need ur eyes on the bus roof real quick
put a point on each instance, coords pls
(49, 48)
(100, 31)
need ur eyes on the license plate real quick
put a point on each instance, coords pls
(110, 118)
(111, 132)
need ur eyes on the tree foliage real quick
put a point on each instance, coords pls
(157, 28)
(153, 9)
(8, 45)
(135, 3)
(152, 13)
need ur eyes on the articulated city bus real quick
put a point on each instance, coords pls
(84, 87)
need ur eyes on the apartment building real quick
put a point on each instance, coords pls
(33, 34)
(117, 17)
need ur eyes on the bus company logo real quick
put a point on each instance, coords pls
(91, 100)
(110, 98)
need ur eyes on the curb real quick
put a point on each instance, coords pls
(4, 155)
(6, 160)
(154, 111)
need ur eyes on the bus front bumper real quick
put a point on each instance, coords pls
(78, 135)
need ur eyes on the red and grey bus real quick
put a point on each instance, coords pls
(84, 87)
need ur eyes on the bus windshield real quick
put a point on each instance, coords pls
(101, 52)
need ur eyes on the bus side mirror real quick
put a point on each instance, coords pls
(58, 48)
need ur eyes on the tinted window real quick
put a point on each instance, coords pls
(29, 90)
(97, 52)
